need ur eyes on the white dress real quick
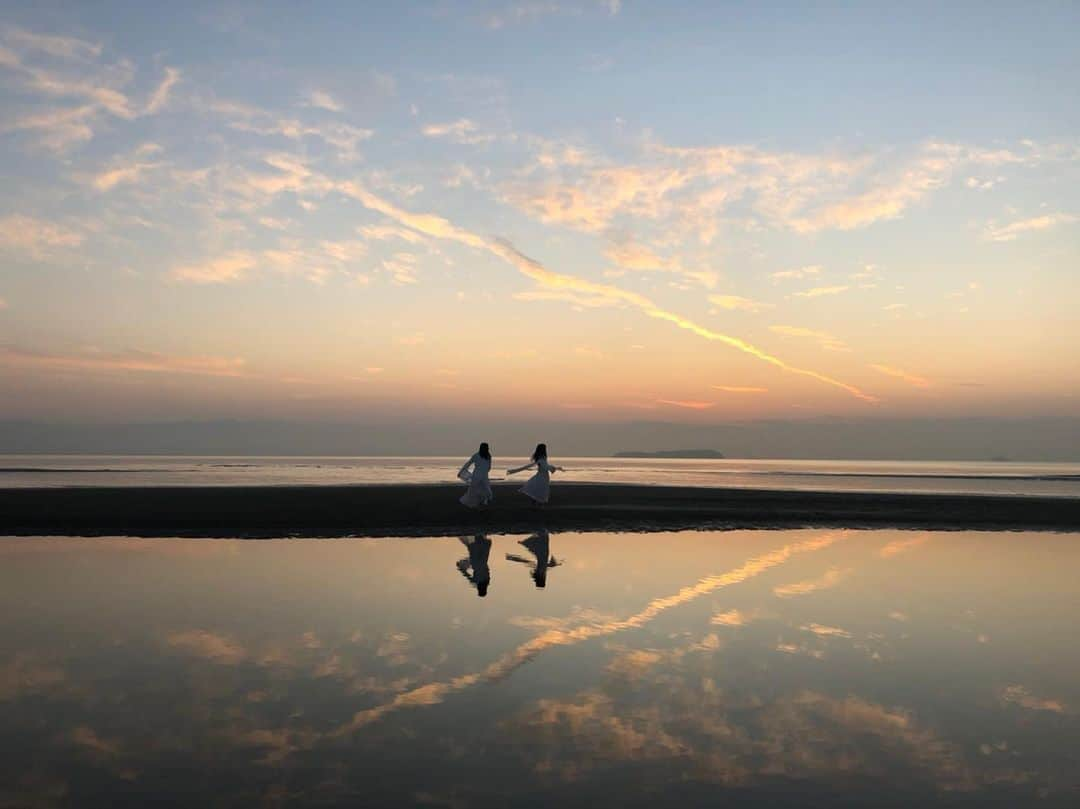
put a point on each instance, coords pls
(538, 487)
(479, 491)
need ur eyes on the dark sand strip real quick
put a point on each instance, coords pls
(333, 511)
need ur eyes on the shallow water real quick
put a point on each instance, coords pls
(779, 668)
(959, 477)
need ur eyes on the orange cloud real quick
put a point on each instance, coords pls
(687, 404)
(233, 266)
(912, 379)
(736, 302)
(817, 292)
(126, 361)
(740, 389)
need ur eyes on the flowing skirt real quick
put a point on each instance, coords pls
(538, 487)
(479, 492)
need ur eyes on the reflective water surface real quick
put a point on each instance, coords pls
(955, 477)
(779, 668)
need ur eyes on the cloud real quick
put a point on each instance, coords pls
(824, 339)
(801, 272)
(126, 170)
(1020, 695)
(61, 47)
(584, 301)
(831, 578)
(402, 266)
(740, 389)
(234, 266)
(143, 361)
(387, 232)
(59, 128)
(439, 227)
(209, 646)
(460, 131)
(36, 237)
(686, 404)
(1013, 230)
(345, 138)
(898, 546)
(735, 302)
(324, 101)
(817, 292)
(160, 97)
(629, 255)
(825, 631)
(911, 379)
(733, 618)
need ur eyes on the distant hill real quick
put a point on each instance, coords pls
(672, 453)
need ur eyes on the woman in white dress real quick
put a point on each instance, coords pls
(479, 491)
(538, 487)
(539, 545)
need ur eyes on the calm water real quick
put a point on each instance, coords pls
(781, 668)
(1049, 479)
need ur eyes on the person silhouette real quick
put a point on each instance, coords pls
(479, 491)
(538, 487)
(539, 545)
(475, 567)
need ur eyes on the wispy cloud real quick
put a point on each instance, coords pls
(817, 292)
(233, 266)
(687, 404)
(144, 361)
(824, 339)
(160, 97)
(128, 169)
(740, 389)
(802, 272)
(630, 255)
(1013, 230)
(736, 302)
(388, 232)
(460, 131)
(36, 237)
(1022, 696)
(898, 546)
(911, 379)
(830, 578)
(320, 99)
(295, 176)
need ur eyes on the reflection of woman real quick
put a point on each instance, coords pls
(539, 546)
(479, 491)
(475, 567)
(538, 487)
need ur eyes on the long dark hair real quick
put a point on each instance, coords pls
(484, 452)
(539, 452)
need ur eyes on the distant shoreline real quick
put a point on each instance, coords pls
(432, 509)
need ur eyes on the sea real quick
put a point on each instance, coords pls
(784, 668)
(959, 477)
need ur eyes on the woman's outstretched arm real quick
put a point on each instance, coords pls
(520, 468)
(465, 466)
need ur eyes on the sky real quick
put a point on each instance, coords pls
(583, 211)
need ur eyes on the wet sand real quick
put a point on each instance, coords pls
(427, 510)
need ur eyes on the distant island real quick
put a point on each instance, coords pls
(672, 453)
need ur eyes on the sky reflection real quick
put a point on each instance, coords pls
(781, 667)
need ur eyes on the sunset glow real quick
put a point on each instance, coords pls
(596, 211)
